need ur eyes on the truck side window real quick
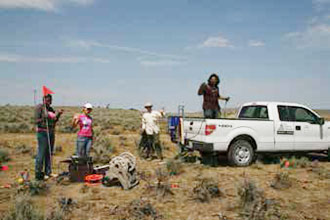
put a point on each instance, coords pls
(283, 113)
(254, 112)
(302, 115)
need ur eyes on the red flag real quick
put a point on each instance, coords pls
(46, 91)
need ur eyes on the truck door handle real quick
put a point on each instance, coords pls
(298, 127)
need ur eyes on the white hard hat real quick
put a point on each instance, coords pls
(88, 105)
(148, 104)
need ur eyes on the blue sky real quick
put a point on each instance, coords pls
(129, 52)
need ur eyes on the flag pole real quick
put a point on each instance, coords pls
(45, 92)
(48, 136)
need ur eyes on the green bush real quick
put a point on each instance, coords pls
(102, 149)
(4, 156)
(174, 167)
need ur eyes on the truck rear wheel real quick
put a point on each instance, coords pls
(240, 153)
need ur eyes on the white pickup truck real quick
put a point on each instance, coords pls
(258, 127)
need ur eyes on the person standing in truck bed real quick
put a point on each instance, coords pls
(211, 96)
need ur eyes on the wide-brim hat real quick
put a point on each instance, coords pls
(148, 104)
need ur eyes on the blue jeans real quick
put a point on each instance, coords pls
(84, 145)
(212, 113)
(43, 156)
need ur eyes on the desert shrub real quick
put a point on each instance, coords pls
(4, 156)
(174, 167)
(13, 121)
(188, 156)
(255, 206)
(102, 149)
(131, 124)
(62, 209)
(57, 214)
(163, 187)
(23, 209)
(249, 194)
(115, 131)
(321, 172)
(139, 209)
(38, 187)
(281, 181)
(33, 188)
(23, 149)
(206, 189)
(293, 162)
(302, 162)
(66, 129)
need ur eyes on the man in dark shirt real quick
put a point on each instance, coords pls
(210, 92)
(46, 119)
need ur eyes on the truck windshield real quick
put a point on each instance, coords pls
(254, 111)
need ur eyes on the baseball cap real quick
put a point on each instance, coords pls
(88, 105)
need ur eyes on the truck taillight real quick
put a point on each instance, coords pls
(209, 129)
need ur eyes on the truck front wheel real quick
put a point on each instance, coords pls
(240, 153)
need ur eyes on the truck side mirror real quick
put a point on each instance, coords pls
(321, 121)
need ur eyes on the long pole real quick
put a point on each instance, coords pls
(225, 110)
(48, 136)
(35, 118)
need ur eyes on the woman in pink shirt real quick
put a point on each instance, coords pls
(85, 134)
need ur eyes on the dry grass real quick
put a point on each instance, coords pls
(307, 198)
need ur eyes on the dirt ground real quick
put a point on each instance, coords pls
(307, 198)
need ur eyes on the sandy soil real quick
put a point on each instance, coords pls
(308, 198)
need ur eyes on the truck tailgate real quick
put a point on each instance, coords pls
(194, 128)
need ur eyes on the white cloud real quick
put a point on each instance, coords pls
(45, 5)
(82, 2)
(321, 4)
(255, 43)
(10, 58)
(315, 36)
(218, 41)
(90, 44)
(155, 63)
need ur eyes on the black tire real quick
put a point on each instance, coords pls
(329, 154)
(240, 153)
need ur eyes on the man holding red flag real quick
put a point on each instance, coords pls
(46, 119)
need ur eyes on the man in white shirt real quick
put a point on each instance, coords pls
(150, 132)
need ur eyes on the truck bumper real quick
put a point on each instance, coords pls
(200, 146)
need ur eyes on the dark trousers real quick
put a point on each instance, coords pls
(43, 158)
(212, 113)
(149, 145)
